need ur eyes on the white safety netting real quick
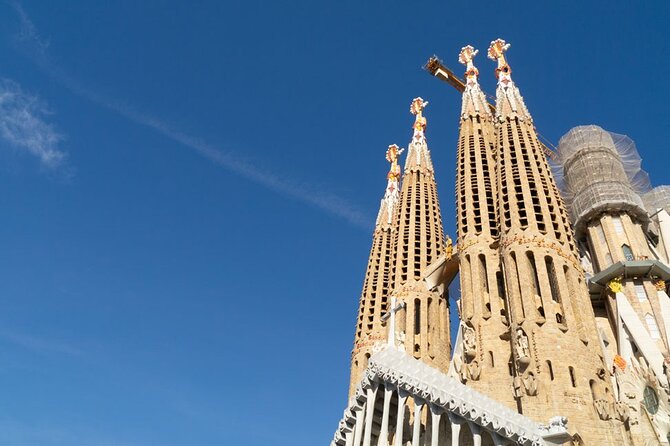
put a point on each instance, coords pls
(657, 198)
(590, 136)
(598, 170)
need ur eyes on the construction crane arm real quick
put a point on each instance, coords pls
(435, 67)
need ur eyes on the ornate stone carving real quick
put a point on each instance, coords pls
(615, 285)
(666, 372)
(530, 383)
(416, 108)
(525, 379)
(600, 401)
(521, 349)
(556, 431)
(660, 285)
(469, 341)
(472, 368)
(621, 411)
(449, 247)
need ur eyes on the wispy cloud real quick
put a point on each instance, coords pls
(23, 124)
(35, 46)
(39, 344)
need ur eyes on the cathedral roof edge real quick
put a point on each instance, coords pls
(398, 369)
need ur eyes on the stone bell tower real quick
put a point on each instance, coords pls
(423, 324)
(557, 359)
(485, 352)
(374, 303)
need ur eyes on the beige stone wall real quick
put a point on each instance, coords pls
(558, 363)
(423, 326)
(485, 363)
(606, 237)
(374, 302)
(400, 253)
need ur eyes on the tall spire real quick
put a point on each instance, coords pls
(418, 156)
(371, 334)
(474, 99)
(509, 102)
(390, 200)
(483, 310)
(422, 326)
(556, 349)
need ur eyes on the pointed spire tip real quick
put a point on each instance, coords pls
(497, 51)
(392, 155)
(416, 108)
(466, 57)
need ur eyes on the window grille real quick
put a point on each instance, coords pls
(640, 292)
(653, 328)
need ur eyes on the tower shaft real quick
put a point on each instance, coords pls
(423, 326)
(485, 352)
(371, 334)
(557, 357)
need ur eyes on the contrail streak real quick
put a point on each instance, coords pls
(31, 43)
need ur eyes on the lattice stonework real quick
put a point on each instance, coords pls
(423, 325)
(482, 362)
(556, 349)
(408, 238)
(371, 334)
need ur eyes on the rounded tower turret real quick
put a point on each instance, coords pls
(595, 179)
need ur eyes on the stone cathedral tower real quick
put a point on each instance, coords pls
(374, 303)
(423, 325)
(533, 363)
(557, 360)
(408, 237)
(484, 329)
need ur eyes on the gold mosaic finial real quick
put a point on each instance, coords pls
(418, 104)
(466, 57)
(392, 155)
(497, 52)
(615, 285)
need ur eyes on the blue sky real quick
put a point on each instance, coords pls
(188, 192)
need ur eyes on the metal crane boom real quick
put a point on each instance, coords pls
(435, 67)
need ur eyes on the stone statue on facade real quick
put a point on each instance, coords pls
(600, 401)
(472, 369)
(469, 341)
(521, 349)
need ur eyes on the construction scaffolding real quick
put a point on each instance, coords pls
(599, 171)
(657, 198)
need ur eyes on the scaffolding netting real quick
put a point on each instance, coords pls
(657, 198)
(598, 171)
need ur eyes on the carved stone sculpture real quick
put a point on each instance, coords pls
(529, 383)
(621, 411)
(469, 342)
(521, 349)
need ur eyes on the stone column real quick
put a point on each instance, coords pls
(360, 420)
(476, 433)
(371, 394)
(498, 440)
(384, 430)
(416, 433)
(435, 415)
(400, 421)
(456, 423)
